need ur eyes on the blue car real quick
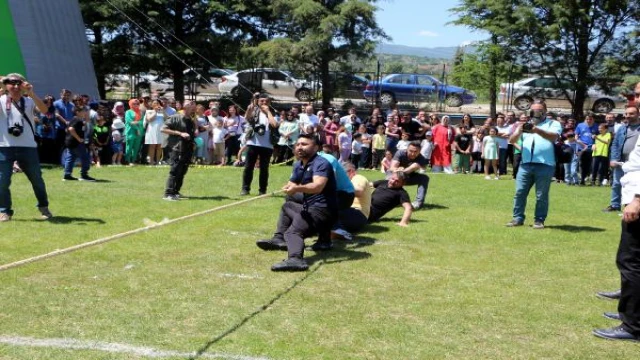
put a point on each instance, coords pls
(416, 87)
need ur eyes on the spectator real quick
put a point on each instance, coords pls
(289, 132)
(600, 164)
(379, 144)
(490, 153)
(585, 133)
(180, 130)
(331, 133)
(100, 140)
(234, 124)
(623, 144)
(462, 146)
(217, 143)
(537, 166)
(203, 133)
(410, 127)
(133, 131)
(393, 132)
(64, 113)
(17, 143)
(77, 147)
(356, 149)
(442, 139)
(153, 120)
(365, 157)
(344, 141)
(476, 152)
(571, 168)
(385, 164)
(46, 129)
(258, 137)
(117, 147)
(502, 138)
(426, 146)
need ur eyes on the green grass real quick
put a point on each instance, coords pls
(456, 284)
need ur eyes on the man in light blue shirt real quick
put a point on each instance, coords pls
(537, 164)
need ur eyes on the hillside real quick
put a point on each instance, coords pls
(435, 53)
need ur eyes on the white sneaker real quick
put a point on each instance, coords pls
(496, 178)
(343, 233)
(487, 177)
(605, 182)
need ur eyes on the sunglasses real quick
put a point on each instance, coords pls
(637, 94)
(12, 82)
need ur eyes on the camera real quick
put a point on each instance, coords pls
(259, 129)
(16, 130)
(527, 127)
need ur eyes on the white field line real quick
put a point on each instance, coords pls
(150, 226)
(74, 344)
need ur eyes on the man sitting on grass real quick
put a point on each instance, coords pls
(313, 177)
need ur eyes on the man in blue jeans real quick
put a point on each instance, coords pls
(623, 143)
(17, 143)
(537, 165)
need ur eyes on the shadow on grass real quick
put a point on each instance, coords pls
(574, 228)
(395, 220)
(201, 351)
(434, 207)
(207, 197)
(74, 220)
(342, 251)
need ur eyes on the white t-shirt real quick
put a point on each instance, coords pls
(9, 115)
(306, 120)
(219, 134)
(503, 143)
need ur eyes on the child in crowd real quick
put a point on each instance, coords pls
(216, 143)
(386, 162)
(101, 139)
(571, 176)
(403, 144)
(77, 147)
(462, 146)
(356, 149)
(600, 162)
(426, 146)
(476, 152)
(379, 144)
(344, 142)
(490, 153)
(242, 153)
(365, 158)
(116, 147)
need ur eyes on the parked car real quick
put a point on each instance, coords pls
(277, 83)
(416, 87)
(524, 92)
(208, 85)
(345, 85)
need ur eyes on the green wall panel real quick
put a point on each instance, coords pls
(11, 58)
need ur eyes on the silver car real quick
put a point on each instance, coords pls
(277, 83)
(524, 92)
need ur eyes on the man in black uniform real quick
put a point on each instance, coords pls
(180, 143)
(389, 194)
(313, 177)
(410, 162)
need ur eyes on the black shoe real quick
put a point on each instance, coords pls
(170, 198)
(291, 264)
(181, 197)
(611, 295)
(69, 178)
(244, 192)
(262, 193)
(272, 244)
(514, 223)
(87, 178)
(615, 333)
(322, 246)
(610, 209)
(613, 316)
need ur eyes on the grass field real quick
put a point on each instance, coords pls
(456, 284)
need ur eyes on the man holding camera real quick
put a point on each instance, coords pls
(260, 124)
(17, 143)
(180, 129)
(537, 165)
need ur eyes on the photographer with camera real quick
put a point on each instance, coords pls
(17, 142)
(537, 165)
(260, 123)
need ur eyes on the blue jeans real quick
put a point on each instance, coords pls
(571, 176)
(530, 174)
(29, 162)
(616, 188)
(70, 156)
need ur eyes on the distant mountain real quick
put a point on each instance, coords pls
(436, 52)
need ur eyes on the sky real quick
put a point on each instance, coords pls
(422, 23)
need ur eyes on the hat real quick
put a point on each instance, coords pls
(429, 133)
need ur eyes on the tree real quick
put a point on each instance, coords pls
(567, 39)
(316, 33)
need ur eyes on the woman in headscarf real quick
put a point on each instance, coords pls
(443, 136)
(133, 131)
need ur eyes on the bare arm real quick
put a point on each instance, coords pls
(314, 187)
(406, 216)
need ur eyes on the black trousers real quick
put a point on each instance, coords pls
(502, 161)
(600, 167)
(352, 220)
(231, 147)
(179, 162)
(517, 159)
(628, 261)
(296, 223)
(585, 164)
(253, 154)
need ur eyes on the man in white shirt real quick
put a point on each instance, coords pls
(308, 121)
(17, 142)
(504, 131)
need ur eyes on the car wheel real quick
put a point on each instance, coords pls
(523, 102)
(386, 98)
(453, 101)
(303, 94)
(603, 106)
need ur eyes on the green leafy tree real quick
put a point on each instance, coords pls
(314, 34)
